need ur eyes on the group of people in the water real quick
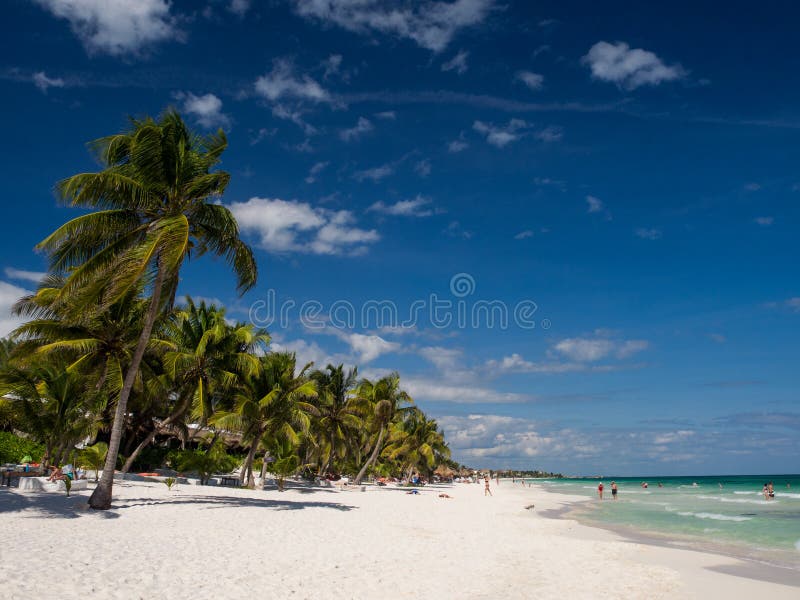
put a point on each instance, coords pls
(768, 490)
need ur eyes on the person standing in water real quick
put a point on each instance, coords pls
(600, 490)
(614, 490)
(771, 491)
(486, 490)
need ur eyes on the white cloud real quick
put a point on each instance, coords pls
(423, 168)
(281, 111)
(374, 174)
(764, 221)
(116, 27)
(648, 233)
(315, 170)
(362, 127)
(551, 133)
(43, 82)
(389, 115)
(370, 347)
(9, 294)
(718, 337)
(332, 65)
(476, 438)
(458, 63)
(262, 134)
(291, 226)
(444, 359)
(206, 109)
(307, 353)
(594, 349)
(239, 7)
(629, 67)
(522, 235)
(284, 83)
(752, 187)
(20, 275)
(501, 136)
(430, 24)
(458, 145)
(515, 363)
(794, 303)
(454, 229)
(438, 391)
(595, 205)
(534, 81)
(415, 207)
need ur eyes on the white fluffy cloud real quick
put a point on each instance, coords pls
(369, 347)
(206, 109)
(116, 27)
(594, 205)
(458, 145)
(430, 24)
(515, 363)
(501, 136)
(764, 221)
(315, 170)
(458, 63)
(9, 294)
(375, 174)
(594, 349)
(415, 207)
(290, 226)
(43, 82)
(443, 391)
(21, 275)
(534, 81)
(628, 67)
(648, 233)
(362, 127)
(284, 83)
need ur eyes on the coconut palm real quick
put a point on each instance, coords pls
(204, 357)
(270, 404)
(94, 457)
(384, 400)
(49, 397)
(337, 414)
(416, 442)
(152, 206)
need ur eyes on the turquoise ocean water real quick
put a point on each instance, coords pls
(726, 513)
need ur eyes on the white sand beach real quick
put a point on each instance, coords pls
(210, 542)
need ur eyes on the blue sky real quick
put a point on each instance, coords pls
(631, 170)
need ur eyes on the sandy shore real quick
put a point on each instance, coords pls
(206, 542)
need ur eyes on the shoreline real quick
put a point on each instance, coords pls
(311, 542)
(750, 567)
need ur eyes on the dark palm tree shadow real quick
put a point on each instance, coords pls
(210, 502)
(48, 505)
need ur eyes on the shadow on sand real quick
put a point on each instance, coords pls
(50, 505)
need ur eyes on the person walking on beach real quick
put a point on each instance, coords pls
(600, 490)
(486, 490)
(614, 490)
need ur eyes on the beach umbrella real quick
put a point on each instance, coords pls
(444, 471)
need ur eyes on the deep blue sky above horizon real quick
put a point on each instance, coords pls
(631, 169)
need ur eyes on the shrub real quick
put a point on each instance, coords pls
(205, 462)
(13, 448)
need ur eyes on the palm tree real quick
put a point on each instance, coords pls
(270, 404)
(337, 412)
(384, 400)
(49, 397)
(153, 205)
(94, 457)
(417, 443)
(204, 357)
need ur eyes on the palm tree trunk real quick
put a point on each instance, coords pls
(101, 497)
(373, 457)
(149, 439)
(247, 469)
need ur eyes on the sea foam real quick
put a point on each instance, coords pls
(714, 516)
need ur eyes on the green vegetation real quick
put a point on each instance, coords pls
(13, 448)
(107, 360)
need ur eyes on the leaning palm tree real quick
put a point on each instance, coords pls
(203, 357)
(338, 416)
(416, 442)
(153, 205)
(384, 400)
(272, 404)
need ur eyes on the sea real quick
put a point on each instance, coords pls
(726, 514)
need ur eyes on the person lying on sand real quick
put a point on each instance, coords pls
(414, 492)
(445, 496)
